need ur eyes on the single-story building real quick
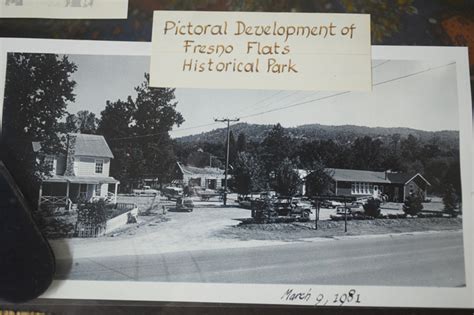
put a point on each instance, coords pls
(360, 183)
(205, 177)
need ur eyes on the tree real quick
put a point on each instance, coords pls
(366, 153)
(87, 122)
(199, 158)
(82, 122)
(286, 181)
(154, 118)
(413, 204)
(138, 132)
(232, 148)
(117, 119)
(38, 88)
(241, 142)
(116, 125)
(248, 174)
(450, 201)
(319, 180)
(275, 148)
(410, 148)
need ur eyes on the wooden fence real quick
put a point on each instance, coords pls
(86, 231)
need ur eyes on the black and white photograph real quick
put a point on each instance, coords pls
(132, 184)
(238, 186)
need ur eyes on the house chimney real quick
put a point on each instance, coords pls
(70, 155)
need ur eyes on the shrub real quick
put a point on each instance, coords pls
(450, 201)
(372, 208)
(413, 205)
(92, 213)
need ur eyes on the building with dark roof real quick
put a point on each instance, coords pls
(79, 175)
(361, 183)
(204, 177)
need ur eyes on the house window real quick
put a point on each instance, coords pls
(99, 166)
(49, 163)
(98, 190)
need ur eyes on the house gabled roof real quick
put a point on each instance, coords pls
(91, 145)
(348, 175)
(192, 170)
(86, 145)
(403, 178)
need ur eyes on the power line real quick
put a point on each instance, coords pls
(165, 132)
(290, 105)
(314, 93)
(380, 64)
(262, 100)
(342, 93)
(413, 74)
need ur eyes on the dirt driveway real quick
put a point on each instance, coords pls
(181, 231)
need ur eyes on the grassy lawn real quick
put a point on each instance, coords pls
(436, 204)
(300, 230)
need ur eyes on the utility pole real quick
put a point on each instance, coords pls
(227, 120)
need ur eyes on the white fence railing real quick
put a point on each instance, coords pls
(57, 201)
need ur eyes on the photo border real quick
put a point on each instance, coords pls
(373, 296)
(102, 9)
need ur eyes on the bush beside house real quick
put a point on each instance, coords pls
(413, 205)
(372, 208)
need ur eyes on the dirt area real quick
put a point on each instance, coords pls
(212, 226)
(300, 230)
(146, 204)
(158, 233)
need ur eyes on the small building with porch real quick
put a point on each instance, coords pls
(203, 177)
(78, 176)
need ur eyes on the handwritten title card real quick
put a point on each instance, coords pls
(252, 50)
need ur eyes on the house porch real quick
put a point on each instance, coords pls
(69, 191)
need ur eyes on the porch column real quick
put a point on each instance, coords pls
(67, 190)
(40, 194)
(68, 205)
(116, 190)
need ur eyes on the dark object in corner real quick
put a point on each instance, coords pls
(26, 260)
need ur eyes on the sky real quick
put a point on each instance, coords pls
(426, 100)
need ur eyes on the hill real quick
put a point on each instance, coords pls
(340, 134)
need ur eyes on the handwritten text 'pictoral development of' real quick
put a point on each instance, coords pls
(269, 49)
(254, 50)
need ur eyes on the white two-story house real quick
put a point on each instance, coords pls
(81, 175)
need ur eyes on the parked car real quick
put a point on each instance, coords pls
(291, 207)
(146, 190)
(207, 194)
(264, 210)
(171, 192)
(184, 204)
(245, 202)
(330, 204)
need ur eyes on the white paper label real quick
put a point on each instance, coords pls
(251, 50)
(64, 9)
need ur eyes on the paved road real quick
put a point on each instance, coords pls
(406, 260)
